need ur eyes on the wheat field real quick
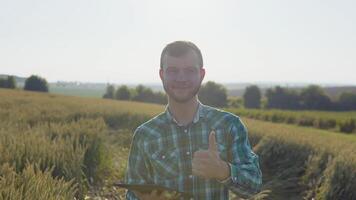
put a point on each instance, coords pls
(61, 147)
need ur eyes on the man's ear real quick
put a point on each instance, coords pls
(202, 73)
(161, 73)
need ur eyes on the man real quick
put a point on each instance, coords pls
(191, 147)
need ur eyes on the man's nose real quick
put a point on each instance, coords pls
(181, 76)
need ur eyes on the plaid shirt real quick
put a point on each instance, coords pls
(161, 153)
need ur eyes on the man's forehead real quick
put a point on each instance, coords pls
(190, 59)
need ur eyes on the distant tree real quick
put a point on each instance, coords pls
(252, 97)
(9, 82)
(347, 101)
(160, 98)
(282, 98)
(36, 83)
(123, 93)
(213, 94)
(142, 94)
(314, 98)
(110, 90)
(3, 83)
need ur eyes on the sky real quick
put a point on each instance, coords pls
(120, 41)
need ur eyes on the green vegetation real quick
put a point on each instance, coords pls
(36, 83)
(252, 97)
(76, 91)
(213, 94)
(335, 121)
(140, 93)
(312, 97)
(8, 82)
(66, 137)
(61, 147)
(304, 163)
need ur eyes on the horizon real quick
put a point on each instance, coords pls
(260, 83)
(121, 41)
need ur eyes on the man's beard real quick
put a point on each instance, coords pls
(182, 99)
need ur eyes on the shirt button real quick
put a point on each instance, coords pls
(163, 157)
(188, 153)
(190, 176)
(185, 130)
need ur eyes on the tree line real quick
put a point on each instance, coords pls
(210, 93)
(139, 93)
(312, 97)
(214, 94)
(32, 83)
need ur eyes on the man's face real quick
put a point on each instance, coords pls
(182, 76)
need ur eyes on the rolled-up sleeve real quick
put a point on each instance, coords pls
(246, 176)
(137, 168)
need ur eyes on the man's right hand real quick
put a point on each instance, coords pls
(150, 196)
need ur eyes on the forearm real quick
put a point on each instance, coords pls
(246, 176)
(245, 179)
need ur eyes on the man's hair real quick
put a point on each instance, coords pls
(180, 48)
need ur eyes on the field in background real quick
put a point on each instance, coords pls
(77, 91)
(344, 122)
(58, 147)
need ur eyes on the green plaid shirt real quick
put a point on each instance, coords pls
(161, 153)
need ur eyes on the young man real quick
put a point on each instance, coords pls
(191, 147)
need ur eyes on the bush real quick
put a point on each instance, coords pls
(325, 123)
(36, 83)
(8, 83)
(291, 120)
(347, 126)
(110, 91)
(277, 118)
(306, 121)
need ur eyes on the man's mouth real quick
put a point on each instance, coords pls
(180, 88)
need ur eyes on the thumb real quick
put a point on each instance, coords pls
(212, 142)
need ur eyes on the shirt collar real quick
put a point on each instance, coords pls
(199, 114)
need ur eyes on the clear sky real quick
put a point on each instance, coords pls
(120, 41)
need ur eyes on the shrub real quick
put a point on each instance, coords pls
(36, 83)
(291, 120)
(325, 123)
(306, 121)
(8, 83)
(347, 126)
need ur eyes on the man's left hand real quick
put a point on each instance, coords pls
(207, 163)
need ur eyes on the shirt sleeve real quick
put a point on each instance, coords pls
(137, 171)
(246, 176)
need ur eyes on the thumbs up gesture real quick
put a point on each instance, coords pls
(207, 163)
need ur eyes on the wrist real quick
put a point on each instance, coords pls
(226, 172)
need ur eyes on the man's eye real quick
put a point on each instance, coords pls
(190, 70)
(171, 70)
